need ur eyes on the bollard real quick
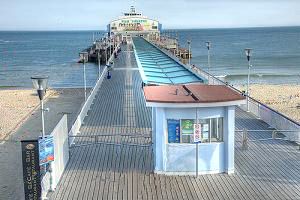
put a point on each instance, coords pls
(108, 75)
(245, 140)
(258, 111)
(274, 135)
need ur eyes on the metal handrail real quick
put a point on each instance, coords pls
(245, 139)
(149, 144)
(109, 135)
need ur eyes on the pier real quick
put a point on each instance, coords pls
(111, 157)
(100, 50)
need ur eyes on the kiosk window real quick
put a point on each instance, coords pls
(187, 130)
(181, 131)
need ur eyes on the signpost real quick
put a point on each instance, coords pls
(31, 169)
(197, 140)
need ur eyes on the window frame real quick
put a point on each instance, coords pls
(219, 130)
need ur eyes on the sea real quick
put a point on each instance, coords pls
(275, 59)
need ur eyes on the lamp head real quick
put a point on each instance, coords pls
(40, 83)
(84, 56)
(248, 52)
(208, 45)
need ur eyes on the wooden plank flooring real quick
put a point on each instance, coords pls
(117, 168)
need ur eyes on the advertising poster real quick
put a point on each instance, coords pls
(187, 126)
(46, 150)
(173, 131)
(31, 169)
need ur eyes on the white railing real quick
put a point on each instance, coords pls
(268, 135)
(87, 105)
(61, 156)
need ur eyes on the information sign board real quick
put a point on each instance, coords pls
(173, 131)
(46, 150)
(187, 126)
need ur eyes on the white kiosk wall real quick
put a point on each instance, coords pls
(180, 158)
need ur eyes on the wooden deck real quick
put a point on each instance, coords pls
(118, 168)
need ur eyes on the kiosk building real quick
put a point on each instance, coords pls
(183, 114)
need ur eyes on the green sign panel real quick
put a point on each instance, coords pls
(187, 126)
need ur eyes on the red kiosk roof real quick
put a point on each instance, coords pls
(193, 93)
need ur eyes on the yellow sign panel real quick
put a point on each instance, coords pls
(134, 24)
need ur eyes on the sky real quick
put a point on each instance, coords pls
(96, 14)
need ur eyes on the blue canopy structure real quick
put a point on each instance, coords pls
(158, 68)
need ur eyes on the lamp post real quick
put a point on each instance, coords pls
(189, 53)
(105, 52)
(84, 57)
(40, 84)
(208, 44)
(98, 54)
(248, 52)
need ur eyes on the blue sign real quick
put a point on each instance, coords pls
(173, 131)
(46, 150)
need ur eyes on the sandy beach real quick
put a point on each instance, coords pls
(16, 106)
(283, 98)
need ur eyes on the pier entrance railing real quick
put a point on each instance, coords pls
(141, 140)
(119, 146)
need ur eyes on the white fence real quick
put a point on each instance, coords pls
(61, 156)
(87, 105)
